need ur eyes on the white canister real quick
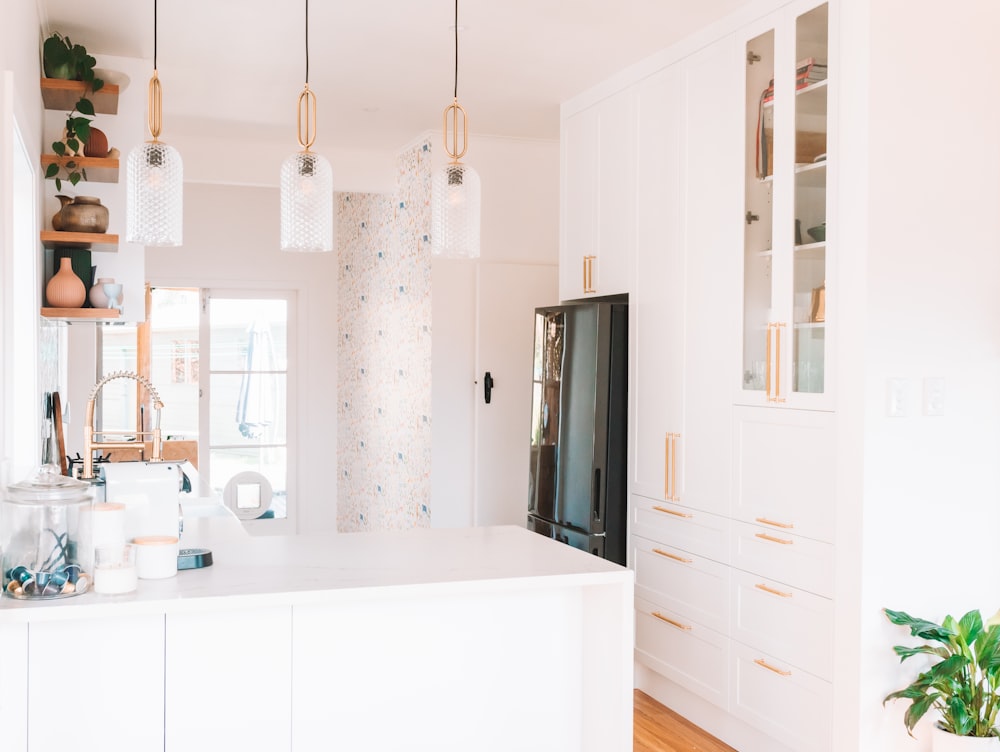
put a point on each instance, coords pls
(114, 570)
(155, 556)
(105, 526)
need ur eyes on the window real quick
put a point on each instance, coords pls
(220, 361)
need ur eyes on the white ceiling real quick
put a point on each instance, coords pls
(382, 70)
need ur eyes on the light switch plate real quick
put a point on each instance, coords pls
(934, 396)
(896, 398)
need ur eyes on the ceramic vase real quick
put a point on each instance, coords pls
(65, 289)
(98, 298)
(96, 145)
(57, 217)
(114, 295)
(83, 214)
(942, 741)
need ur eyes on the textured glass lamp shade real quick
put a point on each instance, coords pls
(155, 195)
(306, 203)
(455, 212)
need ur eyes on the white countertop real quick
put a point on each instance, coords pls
(346, 566)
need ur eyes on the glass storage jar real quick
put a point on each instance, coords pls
(41, 537)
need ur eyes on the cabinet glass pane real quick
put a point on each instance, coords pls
(809, 257)
(757, 242)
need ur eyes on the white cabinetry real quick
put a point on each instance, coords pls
(106, 675)
(598, 199)
(13, 680)
(229, 680)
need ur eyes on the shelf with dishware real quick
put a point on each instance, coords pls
(94, 241)
(98, 169)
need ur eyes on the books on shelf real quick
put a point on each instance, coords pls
(807, 73)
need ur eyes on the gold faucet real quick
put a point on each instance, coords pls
(90, 442)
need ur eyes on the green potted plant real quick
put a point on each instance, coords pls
(63, 59)
(961, 683)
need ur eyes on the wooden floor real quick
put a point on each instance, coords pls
(657, 729)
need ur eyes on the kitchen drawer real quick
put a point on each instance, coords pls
(786, 622)
(689, 585)
(784, 702)
(687, 653)
(784, 470)
(676, 525)
(791, 559)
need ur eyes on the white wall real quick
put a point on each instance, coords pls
(231, 239)
(931, 485)
(520, 224)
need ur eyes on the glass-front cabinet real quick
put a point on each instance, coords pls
(787, 308)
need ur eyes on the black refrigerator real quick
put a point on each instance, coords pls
(579, 427)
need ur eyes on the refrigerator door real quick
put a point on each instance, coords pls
(591, 543)
(569, 416)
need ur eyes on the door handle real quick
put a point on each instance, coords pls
(488, 387)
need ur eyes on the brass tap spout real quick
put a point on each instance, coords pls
(90, 442)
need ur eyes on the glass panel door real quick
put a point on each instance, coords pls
(759, 206)
(809, 253)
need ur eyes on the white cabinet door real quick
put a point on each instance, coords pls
(784, 470)
(112, 668)
(14, 685)
(228, 680)
(686, 294)
(598, 206)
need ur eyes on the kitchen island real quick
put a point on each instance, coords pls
(427, 639)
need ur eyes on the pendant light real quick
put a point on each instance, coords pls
(155, 178)
(306, 182)
(455, 188)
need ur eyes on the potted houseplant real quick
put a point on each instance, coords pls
(961, 683)
(63, 59)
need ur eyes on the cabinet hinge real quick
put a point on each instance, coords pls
(752, 57)
(751, 217)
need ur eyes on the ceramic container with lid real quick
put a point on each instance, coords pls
(41, 537)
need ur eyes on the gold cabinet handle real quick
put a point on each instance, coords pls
(782, 541)
(585, 285)
(671, 622)
(764, 664)
(775, 523)
(669, 555)
(674, 512)
(772, 591)
(588, 273)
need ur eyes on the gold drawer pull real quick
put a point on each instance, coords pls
(782, 541)
(669, 555)
(764, 664)
(772, 591)
(673, 512)
(774, 523)
(671, 622)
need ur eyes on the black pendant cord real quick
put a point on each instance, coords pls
(154, 34)
(307, 42)
(456, 50)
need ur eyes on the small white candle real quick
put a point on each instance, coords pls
(155, 556)
(101, 525)
(115, 580)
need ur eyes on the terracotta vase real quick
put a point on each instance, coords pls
(98, 298)
(84, 214)
(65, 289)
(96, 145)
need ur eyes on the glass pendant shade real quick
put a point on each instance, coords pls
(155, 195)
(306, 203)
(455, 212)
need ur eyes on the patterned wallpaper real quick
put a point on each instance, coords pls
(384, 353)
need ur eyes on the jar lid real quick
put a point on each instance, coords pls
(47, 484)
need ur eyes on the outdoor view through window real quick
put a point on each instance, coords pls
(220, 362)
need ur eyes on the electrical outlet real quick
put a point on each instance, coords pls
(896, 398)
(934, 396)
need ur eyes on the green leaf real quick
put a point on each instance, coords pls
(74, 178)
(59, 148)
(73, 144)
(917, 710)
(96, 85)
(85, 106)
(58, 184)
(928, 630)
(83, 129)
(84, 174)
(970, 626)
(52, 170)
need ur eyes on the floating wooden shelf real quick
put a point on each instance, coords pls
(98, 170)
(81, 314)
(58, 94)
(93, 241)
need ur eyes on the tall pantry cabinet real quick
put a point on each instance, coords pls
(733, 315)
